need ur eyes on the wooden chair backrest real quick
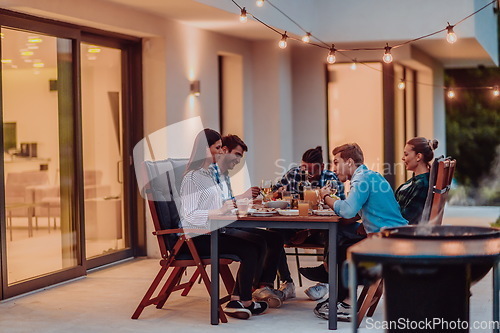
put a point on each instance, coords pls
(163, 198)
(440, 178)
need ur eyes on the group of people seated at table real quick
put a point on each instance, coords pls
(371, 204)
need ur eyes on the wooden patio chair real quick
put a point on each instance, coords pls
(441, 175)
(297, 254)
(161, 193)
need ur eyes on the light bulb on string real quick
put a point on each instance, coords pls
(354, 65)
(282, 43)
(451, 94)
(243, 15)
(401, 84)
(496, 92)
(451, 37)
(387, 58)
(331, 55)
(260, 3)
(306, 38)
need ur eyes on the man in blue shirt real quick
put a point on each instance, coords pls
(371, 197)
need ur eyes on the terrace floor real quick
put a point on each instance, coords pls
(104, 300)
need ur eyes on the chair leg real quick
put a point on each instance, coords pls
(367, 301)
(205, 278)
(191, 282)
(147, 297)
(169, 286)
(298, 266)
(227, 278)
(378, 295)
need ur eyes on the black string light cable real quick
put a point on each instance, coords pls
(332, 51)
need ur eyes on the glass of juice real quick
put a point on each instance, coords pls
(303, 207)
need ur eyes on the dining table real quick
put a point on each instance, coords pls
(275, 221)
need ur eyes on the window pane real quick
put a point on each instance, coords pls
(102, 149)
(38, 138)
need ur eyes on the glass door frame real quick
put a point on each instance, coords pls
(132, 133)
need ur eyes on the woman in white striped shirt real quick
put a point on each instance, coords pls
(201, 199)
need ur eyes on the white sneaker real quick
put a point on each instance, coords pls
(273, 297)
(288, 289)
(317, 291)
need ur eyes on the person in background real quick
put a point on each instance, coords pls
(313, 167)
(201, 199)
(411, 195)
(371, 197)
(270, 243)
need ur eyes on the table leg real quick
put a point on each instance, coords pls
(353, 291)
(332, 276)
(214, 282)
(496, 296)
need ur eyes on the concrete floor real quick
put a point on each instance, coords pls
(105, 299)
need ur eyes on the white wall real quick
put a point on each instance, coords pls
(309, 100)
(28, 102)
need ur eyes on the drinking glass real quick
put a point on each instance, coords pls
(303, 207)
(266, 187)
(333, 185)
(243, 205)
(287, 196)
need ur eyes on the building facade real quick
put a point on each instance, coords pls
(84, 81)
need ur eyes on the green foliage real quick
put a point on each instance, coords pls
(473, 124)
(497, 223)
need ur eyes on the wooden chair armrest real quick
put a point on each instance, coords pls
(181, 231)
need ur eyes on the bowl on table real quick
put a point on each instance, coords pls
(278, 204)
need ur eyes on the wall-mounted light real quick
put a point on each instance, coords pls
(195, 88)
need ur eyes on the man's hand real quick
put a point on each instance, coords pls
(251, 193)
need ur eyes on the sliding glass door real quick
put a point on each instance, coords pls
(38, 172)
(71, 110)
(102, 94)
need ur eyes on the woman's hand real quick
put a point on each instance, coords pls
(226, 208)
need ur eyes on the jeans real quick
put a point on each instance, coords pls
(245, 250)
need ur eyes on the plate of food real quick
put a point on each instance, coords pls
(324, 212)
(262, 212)
(288, 212)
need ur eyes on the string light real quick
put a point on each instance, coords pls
(387, 58)
(243, 15)
(401, 84)
(354, 66)
(282, 43)
(451, 37)
(307, 37)
(331, 55)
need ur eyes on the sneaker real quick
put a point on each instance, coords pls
(318, 274)
(236, 309)
(258, 308)
(343, 311)
(288, 289)
(273, 297)
(317, 291)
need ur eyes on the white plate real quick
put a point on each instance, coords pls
(288, 212)
(324, 212)
(262, 214)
